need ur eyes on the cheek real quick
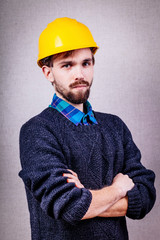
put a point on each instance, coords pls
(59, 77)
(65, 75)
(61, 80)
(89, 74)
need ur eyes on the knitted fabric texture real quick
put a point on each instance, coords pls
(49, 145)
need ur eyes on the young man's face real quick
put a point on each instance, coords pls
(73, 76)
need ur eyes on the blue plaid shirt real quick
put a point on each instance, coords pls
(72, 113)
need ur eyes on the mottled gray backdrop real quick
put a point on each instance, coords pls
(126, 83)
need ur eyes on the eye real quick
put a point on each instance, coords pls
(86, 64)
(66, 66)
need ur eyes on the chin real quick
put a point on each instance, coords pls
(78, 98)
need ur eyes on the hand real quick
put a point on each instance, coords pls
(123, 183)
(73, 177)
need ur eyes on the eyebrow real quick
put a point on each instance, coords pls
(65, 62)
(71, 62)
(87, 60)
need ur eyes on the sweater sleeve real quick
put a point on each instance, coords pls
(43, 165)
(142, 197)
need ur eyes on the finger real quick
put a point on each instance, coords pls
(70, 176)
(69, 180)
(77, 183)
(74, 173)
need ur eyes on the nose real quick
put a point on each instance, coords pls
(78, 74)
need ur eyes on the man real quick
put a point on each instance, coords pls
(81, 168)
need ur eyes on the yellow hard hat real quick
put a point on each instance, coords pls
(64, 34)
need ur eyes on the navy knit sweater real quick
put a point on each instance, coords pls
(49, 145)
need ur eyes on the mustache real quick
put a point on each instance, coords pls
(79, 82)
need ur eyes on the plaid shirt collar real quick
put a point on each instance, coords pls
(72, 113)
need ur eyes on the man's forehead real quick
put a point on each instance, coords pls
(80, 54)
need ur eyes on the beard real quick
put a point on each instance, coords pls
(77, 97)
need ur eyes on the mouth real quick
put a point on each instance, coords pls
(79, 84)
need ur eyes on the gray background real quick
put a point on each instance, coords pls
(126, 83)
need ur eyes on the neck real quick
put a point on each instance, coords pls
(78, 106)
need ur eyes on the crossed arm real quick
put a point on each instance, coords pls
(110, 201)
(42, 168)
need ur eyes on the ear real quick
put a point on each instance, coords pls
(47, 71)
